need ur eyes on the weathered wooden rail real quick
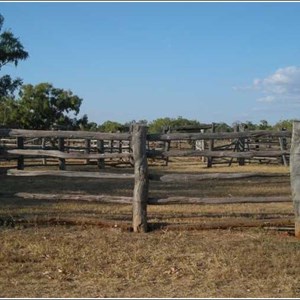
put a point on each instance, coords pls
(240, 145)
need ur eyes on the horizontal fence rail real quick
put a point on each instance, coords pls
(217, 135)
(195, 153)
(65, 155)
(64, 134)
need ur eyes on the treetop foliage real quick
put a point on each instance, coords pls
(11, 51)
(43, 106)
(160, 123)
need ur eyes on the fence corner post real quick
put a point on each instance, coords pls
(141, 181)
(295, 174)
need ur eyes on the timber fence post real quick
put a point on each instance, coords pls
(87, 147)
(141, 182)
(283, 146)
(211, 147)
(100, 149)
(61, 147)
(167, 144)
(295, 174)
(20, 145)
(241, 145)
(43, 146)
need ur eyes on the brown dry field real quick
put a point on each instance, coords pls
(84, 261)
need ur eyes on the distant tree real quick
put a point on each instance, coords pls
(84, 124)
(284, 124)
(144, 122)
(223, 127)
(111, 126)
(11, 52)
(250, 125)
(92, 126)
(264, 125)
(43, 106)
(158, 124)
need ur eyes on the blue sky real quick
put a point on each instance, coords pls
(211, 62)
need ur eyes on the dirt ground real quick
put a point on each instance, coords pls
(63, 260)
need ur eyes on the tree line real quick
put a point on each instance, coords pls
(158, 125)
(43, 106)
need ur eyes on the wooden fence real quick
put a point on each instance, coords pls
(138, 154)
(215, 148)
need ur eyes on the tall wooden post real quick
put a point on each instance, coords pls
(141, 184)
(211, 147)
(44, 147)
(100, 149)
(111, 145)
(295, 174)
(202, 147)
(241, 145)
(283, 146)
(167, 145)
(120, 146)
(20, 145)
(87, 146)
(61, 147)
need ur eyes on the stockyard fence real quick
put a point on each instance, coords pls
(136, 146)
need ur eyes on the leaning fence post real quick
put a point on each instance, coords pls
(295, 174)
(141, 185)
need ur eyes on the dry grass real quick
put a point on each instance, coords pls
(89, 261)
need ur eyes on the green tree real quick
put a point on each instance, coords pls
(43, 106)
(223, 127)
(284, 124)
(11, 52)
(9, 113)
(250, 125)
(111, 126)
(158, 124)
(264, 125)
